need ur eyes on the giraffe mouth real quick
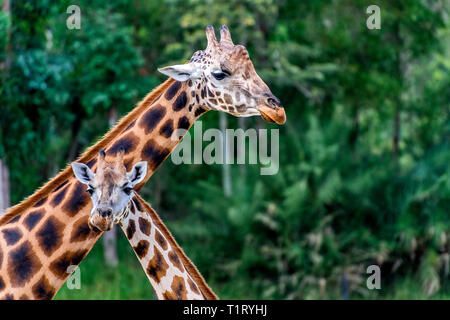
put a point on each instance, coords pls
(273, 115)
(102, 224)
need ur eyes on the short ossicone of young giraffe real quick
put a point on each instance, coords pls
(170, 272)
(44, 235)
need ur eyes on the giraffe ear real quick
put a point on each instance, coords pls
(82, 172)
(181, 72)
(138, 173)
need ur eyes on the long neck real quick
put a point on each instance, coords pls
(170, 272)
(40, 246)
(150, 138)
(48, 232)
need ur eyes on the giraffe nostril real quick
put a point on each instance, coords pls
(273, 102)
(105, 212)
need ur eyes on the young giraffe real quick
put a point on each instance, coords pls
(170, 272)
(48, 232)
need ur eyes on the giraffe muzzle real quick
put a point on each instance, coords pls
(102, 220)
(105, 213)
(272, 111)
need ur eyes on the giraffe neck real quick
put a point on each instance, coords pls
(150, 138)
(40, 245)
(170, 272)
(48, 232)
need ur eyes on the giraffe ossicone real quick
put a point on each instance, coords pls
(171, 274)
(222, 77)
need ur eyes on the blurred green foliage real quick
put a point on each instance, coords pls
(364, 155)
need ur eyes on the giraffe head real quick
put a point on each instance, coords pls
(222, 77)
(110, 188)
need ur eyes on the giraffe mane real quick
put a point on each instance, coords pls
(90, 153)
(190, 267)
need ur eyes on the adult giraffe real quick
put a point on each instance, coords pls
(49, 231)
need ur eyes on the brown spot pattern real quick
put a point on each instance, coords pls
(173, 257)
(22, 264)
(79, 198)
(193, 286)
(32, 219)
(180, 102)
(12, 236)
(199, 111)
(40, 202)
(128, 143)
(15, 219)
(179, 288)
(137, 204)
(172, 91)
(59, 265)
(65, 182)
(167, 129)
(141, 248)
(161, 240)
(49, 236)
(59, 197)
(144, 226)
(43, 290)
(81, 230)
(131, 125)
(157, 267)
(154, 154)
(168, 295)
(152, 117)
(131, 229)
(183, 123)
(228, 98)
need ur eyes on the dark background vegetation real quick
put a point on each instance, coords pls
(364, 155)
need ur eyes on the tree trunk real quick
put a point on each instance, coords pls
(4, 187)
(6, 7)
(110, 247)
(241, 149)
(226, 174)
(5, 66)
(110, 237)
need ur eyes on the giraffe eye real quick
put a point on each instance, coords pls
(127, 190)
(90, 190)
(220, 75)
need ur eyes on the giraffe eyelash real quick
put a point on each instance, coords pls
(90, 190)
(220, 75)
(127, 189)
